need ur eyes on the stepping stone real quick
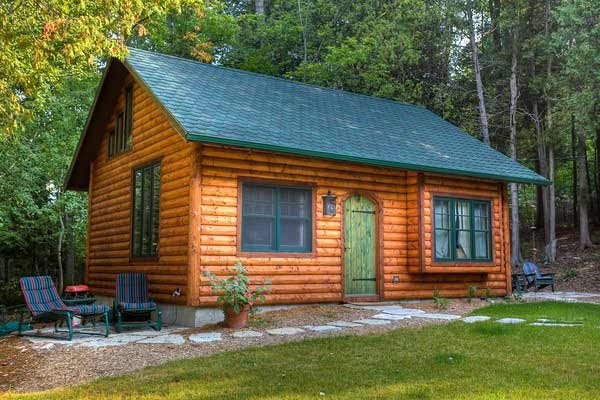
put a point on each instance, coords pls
(206, 337)
(321, 328)
(344, 324)
(148, 332)
(510, 320)
(246, 334)
(46, 346)
(391, 317)
(553, 324)
(368, 321)
(403, 311)
(448, 317)
(476, 318)
(164, 339)
(285, 331)
(106, 342)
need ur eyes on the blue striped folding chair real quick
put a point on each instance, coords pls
(132, 302)
(45, 305)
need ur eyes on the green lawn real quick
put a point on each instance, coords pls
(456, 361)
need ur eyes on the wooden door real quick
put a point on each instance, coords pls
(360, 236)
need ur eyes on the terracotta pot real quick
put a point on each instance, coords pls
(236, 320)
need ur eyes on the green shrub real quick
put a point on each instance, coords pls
(471, 291)
(439, 301)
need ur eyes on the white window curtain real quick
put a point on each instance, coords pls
(442, 229)
(463, 233)
(480, 216)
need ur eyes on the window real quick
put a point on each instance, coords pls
(462, 229)
(146, 186)
(119, 140)
(276, 218)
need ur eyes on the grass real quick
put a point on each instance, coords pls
(455, 361)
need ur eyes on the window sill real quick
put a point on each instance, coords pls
(462, 267)
(275, 254)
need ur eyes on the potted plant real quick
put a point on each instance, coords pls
(235, 296)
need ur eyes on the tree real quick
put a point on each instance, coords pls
(515, 253)
(485, 135)
(64, 38)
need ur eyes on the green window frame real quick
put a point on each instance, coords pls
(462, 229)
(276, 218)
(146, 211)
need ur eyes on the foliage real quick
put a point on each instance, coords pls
(235, 291)
(471, 292)
(551, 362)
(65, 38)
(440, 302)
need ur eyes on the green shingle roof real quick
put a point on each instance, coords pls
(220, 105)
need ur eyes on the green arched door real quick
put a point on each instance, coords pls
(360, 255)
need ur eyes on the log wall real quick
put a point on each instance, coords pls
(110, 203)
(317, 277)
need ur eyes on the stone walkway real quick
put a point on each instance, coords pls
(383, 315)
(570, 297)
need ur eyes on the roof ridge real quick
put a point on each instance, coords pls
(311, 85)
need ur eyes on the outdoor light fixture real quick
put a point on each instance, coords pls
(329, 204)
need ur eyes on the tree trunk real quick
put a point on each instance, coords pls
(485, 134)
(259, 6)
(59, 254)
(584, 193)
(550, 198)
(305, 58)
(515, 245)
(574, 180)
(69, 251)
(551, 218)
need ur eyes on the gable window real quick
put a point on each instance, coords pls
(276, 218)
(462, 229)
(119, 140)
(146, 191)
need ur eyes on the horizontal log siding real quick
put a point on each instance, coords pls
(318, 278)
(110, 204)
(482, 274)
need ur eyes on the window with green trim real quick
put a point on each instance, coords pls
(276, 218)
(146, 182)
(462, 229)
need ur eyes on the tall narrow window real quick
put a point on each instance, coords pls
(119, 128)
(462, 229)
(111, 143)
(146, 188)
(276, 218)
(128, 117)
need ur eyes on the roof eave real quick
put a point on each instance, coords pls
(199, 137)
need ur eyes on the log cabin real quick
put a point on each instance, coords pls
(328, 195)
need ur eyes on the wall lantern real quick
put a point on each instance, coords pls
(329, 204)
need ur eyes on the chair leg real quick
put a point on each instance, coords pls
(158, 319)
(106, 325)
(69, 322)
(119, 328)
